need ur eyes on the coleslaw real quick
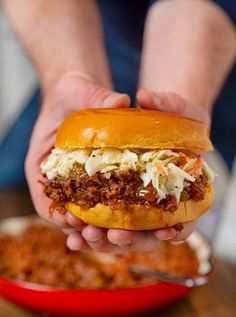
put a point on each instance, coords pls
(168, 171)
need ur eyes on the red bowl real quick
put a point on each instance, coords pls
(67, 302)
(115, 302)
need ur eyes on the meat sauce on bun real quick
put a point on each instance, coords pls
(130, 168)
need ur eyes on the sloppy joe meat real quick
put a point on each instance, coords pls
(121, 190)
(40, 255)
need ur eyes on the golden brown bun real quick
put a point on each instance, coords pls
(142, 218)
(132, 128)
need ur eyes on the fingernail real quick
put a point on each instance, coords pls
(166, 238)
(94, 240)
(165, 234)
(157, 100)
(178, 242)
(110, 100)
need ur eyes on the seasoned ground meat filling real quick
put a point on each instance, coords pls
(32, 256)
(121, 190)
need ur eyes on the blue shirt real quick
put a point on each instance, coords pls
(123, 22)
(124, 19)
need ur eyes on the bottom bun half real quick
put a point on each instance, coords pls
(142, 217)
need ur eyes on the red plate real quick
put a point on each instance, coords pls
(117, 302)
(65, 302)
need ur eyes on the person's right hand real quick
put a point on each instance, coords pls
(72, 92)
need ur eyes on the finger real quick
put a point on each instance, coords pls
(173, 103)
(96, 238)
(181, 235)
(58, 219)
(89, 95)
(148, 100)
(68, 231)
(143, 241)
(74, 221)
(116, 100)
(41, 202)
(166, 234)
(75, 242)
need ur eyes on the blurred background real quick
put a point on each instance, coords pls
(18, 83)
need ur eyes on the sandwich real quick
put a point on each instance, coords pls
(131, 169)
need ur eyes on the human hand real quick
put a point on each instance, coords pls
(173, 103)
(71, 92)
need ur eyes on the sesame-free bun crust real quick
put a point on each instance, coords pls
(132, 128)
(142, 217)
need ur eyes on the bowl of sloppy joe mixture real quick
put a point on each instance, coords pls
(39, 272)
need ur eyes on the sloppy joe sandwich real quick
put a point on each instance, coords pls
(130, 168)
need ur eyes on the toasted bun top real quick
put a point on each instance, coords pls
(132, 128)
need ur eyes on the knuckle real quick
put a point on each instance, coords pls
(94, 95)
(179, 102)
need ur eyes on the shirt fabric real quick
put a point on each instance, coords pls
(124, 19)
(123, 22)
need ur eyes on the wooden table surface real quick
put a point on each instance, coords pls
(216, 299)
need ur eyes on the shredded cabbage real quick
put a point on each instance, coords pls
(181, 173)
(157, 167)
(208, 171)
(129, 159)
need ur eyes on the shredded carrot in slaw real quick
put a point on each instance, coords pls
(160, 169)
(196, 166)
(186, 158)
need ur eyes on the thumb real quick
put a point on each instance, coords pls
(95, 96)
(116, 100)
(173, 103)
